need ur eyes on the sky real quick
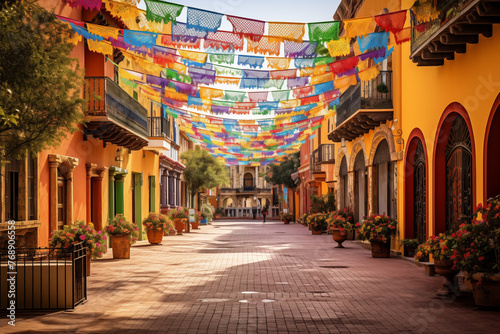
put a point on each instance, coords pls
(265, 10)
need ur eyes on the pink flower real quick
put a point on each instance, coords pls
(99, 232)
(136, 228)
(104, 237)
(82, 237)
(100, 253)
(98, 244)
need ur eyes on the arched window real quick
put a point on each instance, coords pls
(458, 175)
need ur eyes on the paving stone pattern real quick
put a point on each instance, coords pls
(249, 277)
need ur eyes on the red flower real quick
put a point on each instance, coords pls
(481, 258)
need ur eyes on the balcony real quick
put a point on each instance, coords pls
(158, 134)
(363, 107)
(324, 154)
(447, 28)
(113, 116)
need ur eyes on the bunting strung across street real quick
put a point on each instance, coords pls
(252, 95)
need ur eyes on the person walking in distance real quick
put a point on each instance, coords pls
(264, 212)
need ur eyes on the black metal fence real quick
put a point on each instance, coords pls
(45, 278)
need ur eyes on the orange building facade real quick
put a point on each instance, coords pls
(115, 163)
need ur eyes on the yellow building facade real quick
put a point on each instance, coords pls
(425, 156)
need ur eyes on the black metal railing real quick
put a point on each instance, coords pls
(44, 278)
(105, 98)
(324, 153)
(158, 127)
(248, 188)
(422, 28)
(374, 94)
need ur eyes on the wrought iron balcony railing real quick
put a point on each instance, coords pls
(114, 116)
(158, 127)
(325, 153)
(363, 106)
(439, 29)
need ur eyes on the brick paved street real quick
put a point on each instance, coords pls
(249, 277)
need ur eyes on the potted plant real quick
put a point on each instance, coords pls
(409, 246)
(441, 248)
(178, 215)
(155, 225)
(378, 230)
(339, 226)
(219, 212)
(305, 220)
(286, 217)
(78, 232)
(197, 219)
(207, 211)
(317, 221)
(477, 253)
(123, 234)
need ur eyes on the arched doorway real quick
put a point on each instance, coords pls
(416, 188)
(248, 182)
(343, 187)
(383, 180)
(458, 175)
(360, 187)
(453, 170)
(491, 156)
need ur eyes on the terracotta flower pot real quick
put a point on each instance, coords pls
(155, 236)
(186, 225)
(89, 258)
(487, 293)
(121, 246)
(444, 268)
(381, 249)
(195, 225)
(317, 231)
(286, 221)
(179, 225)
(338, 237)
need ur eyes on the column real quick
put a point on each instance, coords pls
(350, 190)
(53, 164)
(88, 187)
(370, 190)
(111, 194)
(69, 196)
(178, 190)
(256, 176)
(120, 193)
(97, 193)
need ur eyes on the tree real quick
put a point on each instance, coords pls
(40, 85)
(281, 174)
(202, 171)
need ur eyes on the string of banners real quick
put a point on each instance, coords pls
(250, 96)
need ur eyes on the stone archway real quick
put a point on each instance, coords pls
(382, 189)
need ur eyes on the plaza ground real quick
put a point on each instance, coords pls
(249, 277)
